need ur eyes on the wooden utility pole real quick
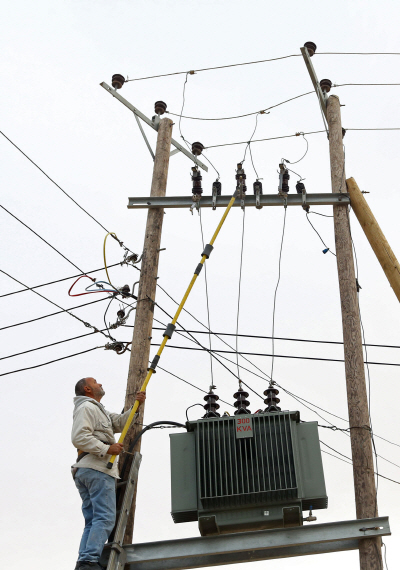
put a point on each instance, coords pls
(361, 447)
(375, 236)
(140, 350)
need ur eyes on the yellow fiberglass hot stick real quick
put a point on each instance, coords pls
(104, 254)
(171, 327)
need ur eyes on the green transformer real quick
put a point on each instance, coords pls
(246, 472)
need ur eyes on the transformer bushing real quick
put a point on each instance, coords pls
(271, 400)
(241, 402)
(211, 406)
(117, 81)
(160, 107)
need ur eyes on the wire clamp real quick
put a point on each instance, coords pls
(118, 347)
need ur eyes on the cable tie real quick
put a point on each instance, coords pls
(207, 250)
(198, 268)
(154, 363)
(169, 330)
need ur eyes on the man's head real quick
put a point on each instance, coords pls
(89, 387)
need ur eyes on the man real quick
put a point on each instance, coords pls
(93, 435)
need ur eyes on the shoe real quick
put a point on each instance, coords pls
(84, 565)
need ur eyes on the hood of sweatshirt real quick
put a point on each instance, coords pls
(79, 400)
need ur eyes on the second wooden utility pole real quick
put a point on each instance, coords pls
(360, 433)
(140, 350)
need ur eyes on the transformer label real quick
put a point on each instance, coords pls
(244, 426)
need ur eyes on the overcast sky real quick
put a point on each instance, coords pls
(54, 56)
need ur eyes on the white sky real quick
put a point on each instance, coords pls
(55, 54)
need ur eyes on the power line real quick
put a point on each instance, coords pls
(270, 138)
(276, 355)
(40, 237)
(51, 361)
(276, 290)
(56, 305)
(46, 345)
(326, 247)
(52, 314)
(261, 112)
(60, 281)
(193, 71)
(279, 338)
(53, 181)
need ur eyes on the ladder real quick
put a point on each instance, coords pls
(117, 556)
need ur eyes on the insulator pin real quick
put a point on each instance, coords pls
(197, 148)
(217, 188)
(240, 178)
(325, 85)
(311, 48)
(257, 187)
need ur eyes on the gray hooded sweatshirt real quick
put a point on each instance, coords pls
(92, 425)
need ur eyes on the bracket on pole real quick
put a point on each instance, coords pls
(153, 125)
(242, 547)
(314, 79)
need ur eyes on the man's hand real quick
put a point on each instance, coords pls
(115, 449)
(140, 397)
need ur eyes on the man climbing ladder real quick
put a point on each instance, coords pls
(93, 432)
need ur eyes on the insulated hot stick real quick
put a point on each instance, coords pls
(171, 327)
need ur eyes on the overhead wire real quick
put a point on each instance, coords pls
(275, 293)
(60, 280)
(319, 235)
(267, 139)
(55, 304)
(59, 187)
(239, 291)
(52, 314)
(193, 71)
(40, 237)
(207, 301)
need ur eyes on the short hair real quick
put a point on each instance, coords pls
(80, 387)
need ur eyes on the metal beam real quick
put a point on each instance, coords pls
(154, 126)
(323, 199)
(236, 548)
(314, 79)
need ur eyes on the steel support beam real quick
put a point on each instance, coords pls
(236, 548)
(324, 199)
(314, 79)
(153, 125)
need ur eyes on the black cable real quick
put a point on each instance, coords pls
(275, 355)
(279, 338)
(252, 162)
(249, 141)
(326, 247)
(276, 290)
(53, 314)
(40, 237)
(46, 346)
(190, 384)
(303, 154)
(51, 361)
(261, 112)
(209, 161)
(239, 291)
(105, 313)
(192, 406)
(272, 138)
(319, 214)
(56, 305)
(193, 71)
(55, 183)
(139, 435)
(207, 301)
(60, 280)
(62, 190)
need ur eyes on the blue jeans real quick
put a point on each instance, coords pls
(97, 491)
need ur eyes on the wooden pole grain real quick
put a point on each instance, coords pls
(361, 447)
(375, 236)
(140, 348)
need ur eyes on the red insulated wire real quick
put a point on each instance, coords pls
(80, 294)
